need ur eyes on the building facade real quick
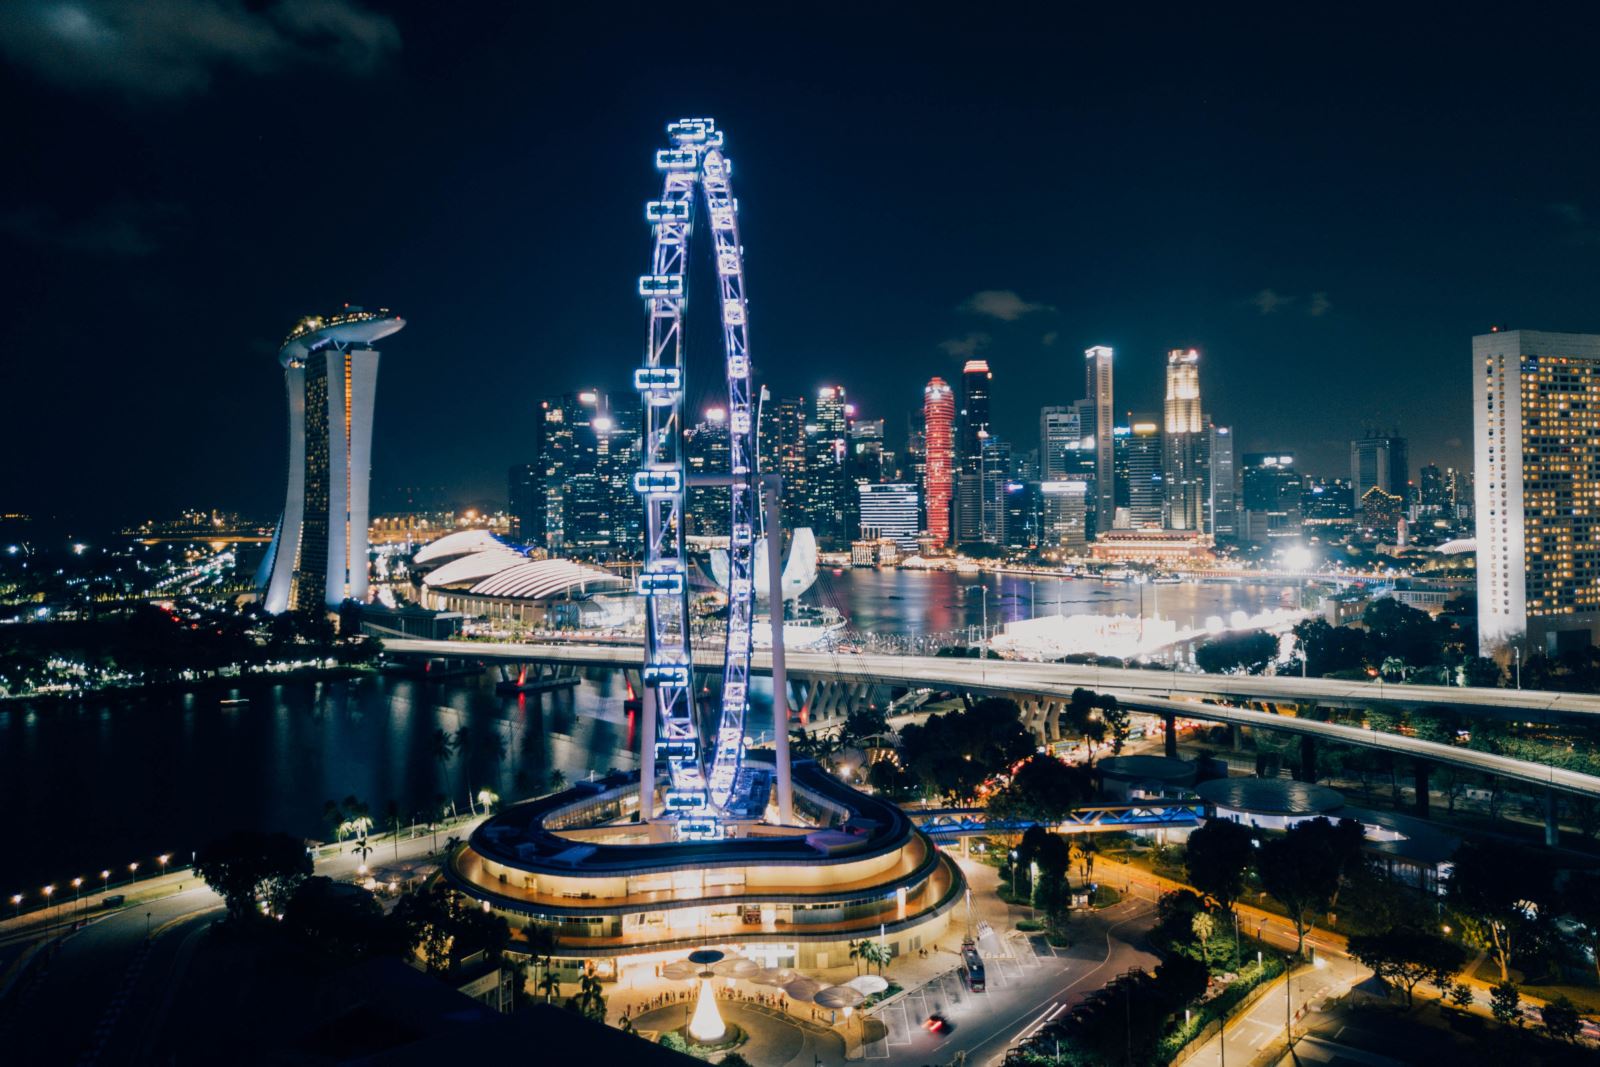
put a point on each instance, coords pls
(1380, 460)
(1536, 441)
(938, 417)
(1097, 392)
(1184, 441)
(1222, 481)
(889, 511)
(1272, 492)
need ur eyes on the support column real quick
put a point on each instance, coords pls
(1235, 738)
(647, 753)
(771, 491)
(1552, 819)
(1419, 772)
(1170, 744)
(1308, 759)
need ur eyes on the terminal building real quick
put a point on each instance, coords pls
(318, 555)
(478, 576)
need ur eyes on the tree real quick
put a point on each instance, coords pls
(549, 984)
(1043, 789)
(857, 954)
(1581, 901)
(1461, 996)
(340, 921)
(1505, 1003)
(1181, 979)
(1499, 891)
(1303, 869)
(1561, 1019)
(589, 1002)
(443, 926)
(1217, 856)
(392, 812)
(864, 723)
(1246, 653)
(956, 753)
(1204, 926)
(1329, 649)
(249, 866)
(1409, 957)
(1085, 719)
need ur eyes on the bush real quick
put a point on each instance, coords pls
(1030, 926)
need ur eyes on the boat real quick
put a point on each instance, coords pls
(233, 702)
(1166, 579)
(805, 629)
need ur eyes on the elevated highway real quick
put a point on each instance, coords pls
(1164, 693)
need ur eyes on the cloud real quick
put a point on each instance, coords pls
(1320, 305)
(965, 347)
(1002, 304)
(1269, 300)
(121, 231)
(172, 48)
(1050, 338)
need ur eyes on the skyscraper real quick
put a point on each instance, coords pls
(566, 457)
(1097, 390)
(318, 557)
(1273, 492)
(972, 432)
(1184, 443)
(889, 510)
(938, 418)
(827, 437)
(707, 449)
(1222, 484)
(1064, 512)
(1059, 432)
(1536, 424)
(783, 451)
(1379, 460)
(1142, 460)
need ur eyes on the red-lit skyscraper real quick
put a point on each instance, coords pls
(939, 417)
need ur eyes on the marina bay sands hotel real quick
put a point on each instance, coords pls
(318, 556)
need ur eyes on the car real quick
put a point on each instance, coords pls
(936, 1024)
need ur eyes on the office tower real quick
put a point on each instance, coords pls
(866, 460)
(707, 449)
(783, 451)
(827, 436)
(1381, 460)
(318, 556)
(1143, 478)
(1064, 513)
(525, 497)
(1222, 484)
(889, 510)
(972, 430)
(994, 473)
(1458, 487)
(1326, 502)
(976, 379)
(566, 453)
(1097, 391)
(1020, 504)
(616, 465)
(1432, 497)
(1272, 491)
(938, 419)
(1059, 432)
(1536, 444)
(1184, 441)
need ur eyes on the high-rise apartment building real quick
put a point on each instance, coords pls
(1097, 391)
(318, 556)
(1222, 484)
(1536, 442)
(1184, 441)
(938, 420)
(1379, 460)
(889, 510)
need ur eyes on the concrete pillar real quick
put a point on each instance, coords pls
(1308, 759)
(1552, 819)
(1171, 734)
(647, 753)
(1235, 737)
(1419, 773)
(771, 490)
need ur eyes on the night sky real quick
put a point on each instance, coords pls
(1328, 210)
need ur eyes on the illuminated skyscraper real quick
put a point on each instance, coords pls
(972, 431)
(1141, 448)
(1536, 424)
(1184, 442)
(938, 417)
(1222, 484)
(318, 557)
(783, 451)
(1097, 390)
(827, 484)
(1379, 460)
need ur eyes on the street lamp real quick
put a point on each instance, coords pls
(105, 880)
(133, 871)
(16, 902)
(77, 893)
(162, 859)
(49, 889)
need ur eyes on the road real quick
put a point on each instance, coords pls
(101, 995)
(1135, 690)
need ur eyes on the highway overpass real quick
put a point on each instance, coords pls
(1162, 693)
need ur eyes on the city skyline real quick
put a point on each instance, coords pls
(1265, 251)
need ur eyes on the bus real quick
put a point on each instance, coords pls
(972, 967)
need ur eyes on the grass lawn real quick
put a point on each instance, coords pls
(1586, 997)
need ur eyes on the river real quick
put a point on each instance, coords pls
(107, 781)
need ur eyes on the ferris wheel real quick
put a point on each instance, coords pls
(701, 783)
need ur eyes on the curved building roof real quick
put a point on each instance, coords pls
(1157, 768)
(460, 543)
(541, 578)
(348, 326)
(469, 569)
(1271, 796)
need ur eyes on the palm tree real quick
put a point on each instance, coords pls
(858, 952)
(363, 849)
(558, 780)
(549, 984)
(393, 812)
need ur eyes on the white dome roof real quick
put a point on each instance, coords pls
(474, 568)
(542, 578)
(460, 543)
